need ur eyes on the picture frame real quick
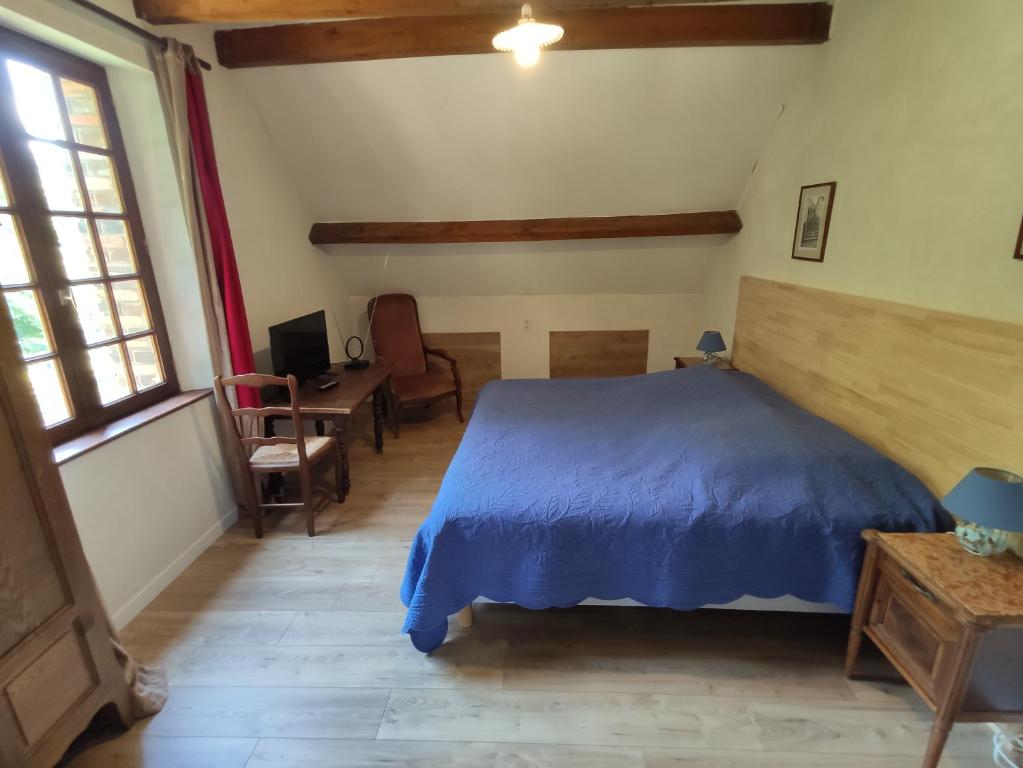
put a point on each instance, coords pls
(1019, 243)
(813, 221)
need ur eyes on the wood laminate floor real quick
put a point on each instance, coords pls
(284, 653)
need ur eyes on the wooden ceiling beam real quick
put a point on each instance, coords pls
(192, 11)
(521, 230)
(651, 27)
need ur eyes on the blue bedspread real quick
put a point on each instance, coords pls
(675, 489)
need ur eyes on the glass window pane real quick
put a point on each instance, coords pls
(28, 323)
(5, 200)
(116, 245)
(145, 362)
(58, 175)
(110, 373)
(131, 306)
(101, 183)
(13, 267)
(94, 314)
(83, 112)
(76, 248)
(48, 386)
(36, 101)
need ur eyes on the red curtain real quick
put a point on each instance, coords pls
(238, 338)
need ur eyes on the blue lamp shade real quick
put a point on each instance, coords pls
(989, 497)
(711, 341)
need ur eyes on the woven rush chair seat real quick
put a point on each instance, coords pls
(260, 457)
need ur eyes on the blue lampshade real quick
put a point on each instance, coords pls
(989, 497)
(711, 341)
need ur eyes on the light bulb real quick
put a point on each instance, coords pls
(527, 38)
(527, 56)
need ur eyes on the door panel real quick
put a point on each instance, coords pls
(64, 673)
(57, 664)
(26, 563)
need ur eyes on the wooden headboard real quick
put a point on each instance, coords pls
(940, 393)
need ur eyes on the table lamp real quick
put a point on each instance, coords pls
(711, 343)
(987, 504)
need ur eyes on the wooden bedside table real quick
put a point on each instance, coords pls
(950, 622)
(693, 362)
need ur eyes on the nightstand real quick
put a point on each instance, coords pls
(693, 362)
(950, 622)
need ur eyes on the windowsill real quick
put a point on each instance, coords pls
(90, 441)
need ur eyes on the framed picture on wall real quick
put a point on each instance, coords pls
(1019, 242)
(813, 219)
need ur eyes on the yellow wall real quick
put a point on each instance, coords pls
(915, 108)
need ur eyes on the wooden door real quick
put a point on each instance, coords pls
(57, 666)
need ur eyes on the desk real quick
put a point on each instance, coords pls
(340, 401)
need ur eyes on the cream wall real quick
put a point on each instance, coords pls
(915, 108)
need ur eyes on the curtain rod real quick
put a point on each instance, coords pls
(156, 40)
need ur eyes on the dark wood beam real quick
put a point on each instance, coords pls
(518, 230)
(395, 38)
(186, 11)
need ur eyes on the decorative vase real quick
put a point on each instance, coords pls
(978, 540)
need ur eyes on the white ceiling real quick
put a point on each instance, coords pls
(588, 133)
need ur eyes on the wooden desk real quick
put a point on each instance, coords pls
(949, 621)
(339, 402)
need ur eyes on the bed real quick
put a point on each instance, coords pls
(676, 489)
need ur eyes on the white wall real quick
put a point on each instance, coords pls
(591, 133)
(525, 322)
(140, 524)
(915, 108)
(628, 265)
(149, 503)
(650, 284)
(282, 274)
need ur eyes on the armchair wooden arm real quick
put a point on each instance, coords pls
(451, 361)
(398, 336)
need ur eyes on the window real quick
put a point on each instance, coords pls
(74, 272)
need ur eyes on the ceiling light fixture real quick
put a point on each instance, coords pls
(527, 37)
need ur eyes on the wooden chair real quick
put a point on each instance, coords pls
(398, 338)
(275, 455)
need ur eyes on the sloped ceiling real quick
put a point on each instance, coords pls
(596, 133)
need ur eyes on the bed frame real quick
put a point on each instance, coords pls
(937, 392)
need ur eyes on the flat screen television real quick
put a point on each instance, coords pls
(300, 347)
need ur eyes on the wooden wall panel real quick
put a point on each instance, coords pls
(478, 356)
(938, 392)
(597, 354)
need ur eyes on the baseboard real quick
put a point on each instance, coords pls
(145, 596)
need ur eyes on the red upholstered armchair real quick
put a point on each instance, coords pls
(398, 338)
